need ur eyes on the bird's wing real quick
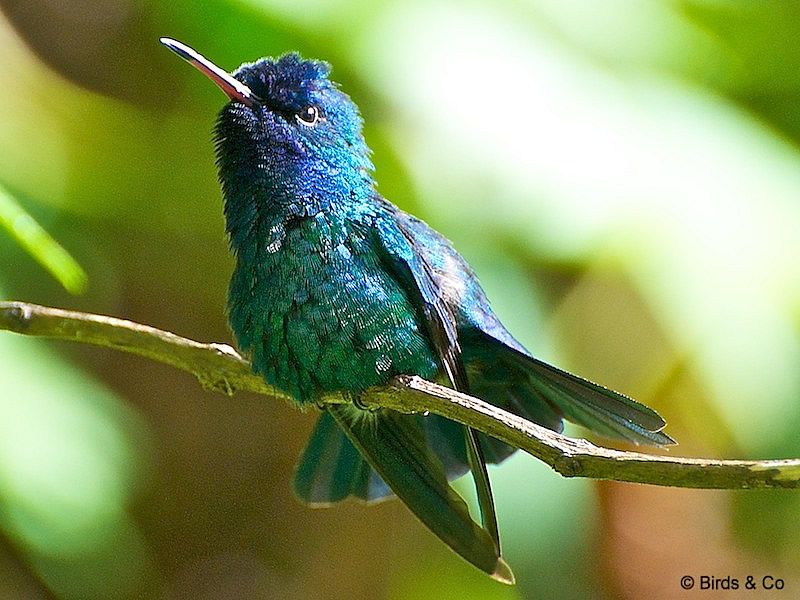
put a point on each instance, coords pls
(403, 256)
(534, 389)
(331, 469)
(578, 400)
(395, 446)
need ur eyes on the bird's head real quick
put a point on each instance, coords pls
(286, 123)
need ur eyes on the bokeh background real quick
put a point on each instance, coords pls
(624, 176)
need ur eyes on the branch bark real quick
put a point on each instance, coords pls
(219, 367)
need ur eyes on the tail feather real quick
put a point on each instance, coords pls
(331, 468)
(395, 446)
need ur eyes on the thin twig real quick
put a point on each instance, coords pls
(219, 367)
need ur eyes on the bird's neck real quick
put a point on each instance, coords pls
(261, 204)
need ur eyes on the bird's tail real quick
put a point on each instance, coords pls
(331, 468)
(394, 445)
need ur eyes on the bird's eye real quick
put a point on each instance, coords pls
(308, 116)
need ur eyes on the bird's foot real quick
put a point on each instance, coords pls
(359, 403)
(355, 398)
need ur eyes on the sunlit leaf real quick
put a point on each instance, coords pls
(31, 236)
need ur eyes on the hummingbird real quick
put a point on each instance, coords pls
(335, 289)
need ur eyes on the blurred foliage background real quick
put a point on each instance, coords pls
(624, 176)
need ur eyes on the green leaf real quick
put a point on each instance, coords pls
(38, 243)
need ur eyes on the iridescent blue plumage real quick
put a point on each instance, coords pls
(335, 290)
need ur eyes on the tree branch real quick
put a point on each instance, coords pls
(219, 367)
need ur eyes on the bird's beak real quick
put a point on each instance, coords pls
(233, 88)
